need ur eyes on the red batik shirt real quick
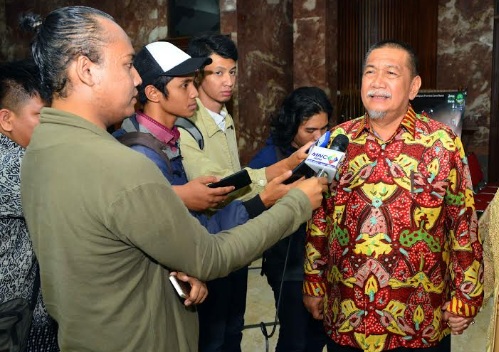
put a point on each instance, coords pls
(396, 239)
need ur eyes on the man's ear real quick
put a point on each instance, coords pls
(415, 85)
(84, 69)
(152, 94)
(6, 117)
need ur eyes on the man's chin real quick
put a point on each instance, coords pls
(376, 115)
(224, 99)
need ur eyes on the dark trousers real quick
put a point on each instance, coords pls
(298, 330)
(443, 346)
(221, 315)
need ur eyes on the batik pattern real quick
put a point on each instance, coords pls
(396, 238)
(17, 260)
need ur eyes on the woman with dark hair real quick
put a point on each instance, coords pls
(303, 117)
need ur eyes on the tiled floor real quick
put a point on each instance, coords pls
(260, 307)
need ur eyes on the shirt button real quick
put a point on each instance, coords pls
(262, 183)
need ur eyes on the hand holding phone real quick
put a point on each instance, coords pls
(183, 289)
(239, 180)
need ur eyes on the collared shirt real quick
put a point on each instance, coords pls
(219, 118)
(397, 238)
(161, 132)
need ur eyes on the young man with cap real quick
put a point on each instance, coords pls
(168, 91)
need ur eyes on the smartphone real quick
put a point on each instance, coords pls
(239, 180)
(183, 289)
(302, 170)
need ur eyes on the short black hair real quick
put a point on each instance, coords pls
(159, 83)
(62, 36)
(299, 106)
(397, 44)
(19, 82)
(206, 44)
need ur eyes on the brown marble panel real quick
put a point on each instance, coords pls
(145, 21)
(265, 69)
(228, 16)
(309, 49)
(465, 61)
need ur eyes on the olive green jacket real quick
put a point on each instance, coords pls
(107, 228)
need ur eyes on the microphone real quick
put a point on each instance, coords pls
(325, 161)
(302, 169)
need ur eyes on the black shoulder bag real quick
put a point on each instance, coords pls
(16, 316)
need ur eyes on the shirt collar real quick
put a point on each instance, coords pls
(161, 132)
(219, 118)
(408, 122)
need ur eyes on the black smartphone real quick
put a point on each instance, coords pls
(302, 170)
(239, 180)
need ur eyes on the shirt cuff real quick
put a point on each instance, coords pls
(254, 206)
(316, 289)
(461, 308)
(258, 176)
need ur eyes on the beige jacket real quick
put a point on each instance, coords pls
(488, 227)
(220, 155)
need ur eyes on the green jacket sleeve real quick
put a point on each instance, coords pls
(177, 240)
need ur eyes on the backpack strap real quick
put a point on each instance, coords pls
(146, 140)
(193, 130)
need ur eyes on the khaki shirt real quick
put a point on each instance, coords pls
(220, 155)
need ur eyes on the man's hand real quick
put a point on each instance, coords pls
(456, 323)
(313, 188)
(297, 157)
(315, 306)
(197, 196)
(289, 163)
(276, 189)
(198, 292)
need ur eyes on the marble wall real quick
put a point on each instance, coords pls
(465, 35)
(284, 44)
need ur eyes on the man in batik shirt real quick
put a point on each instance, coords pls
(20, 105)
(393, 259)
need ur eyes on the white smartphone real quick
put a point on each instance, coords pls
(181, 287)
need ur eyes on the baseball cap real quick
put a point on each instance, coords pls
(165, 59)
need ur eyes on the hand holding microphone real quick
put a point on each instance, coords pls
(325, 161)
(322, 161)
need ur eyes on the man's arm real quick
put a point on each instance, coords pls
(466, 253)
(316, 253)
(197, 196)
(178, 241)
